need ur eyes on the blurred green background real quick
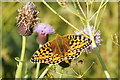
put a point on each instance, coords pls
(11, 40)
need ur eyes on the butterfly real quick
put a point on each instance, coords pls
(61, 49)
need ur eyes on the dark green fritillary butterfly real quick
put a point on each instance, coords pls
(62, 48)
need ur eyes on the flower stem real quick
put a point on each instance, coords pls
(20, 65)
(63, 18)
(37, 70)
(78, 12)
(102, 63)
(81, 8)
(38, 66)
(80, 76)
(45, 71)
(98, 54)
(96, 19)
(59, 15)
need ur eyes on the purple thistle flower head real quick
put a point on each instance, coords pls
(43, 28)
(95, 33)
(43, 31)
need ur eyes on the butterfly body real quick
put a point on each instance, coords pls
(61, 48)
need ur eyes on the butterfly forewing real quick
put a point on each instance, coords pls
(62, 48)
(77, 44)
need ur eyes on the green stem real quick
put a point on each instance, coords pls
(20, 65)
(87, 10)
(79, 13)
(59, 15)
(63, 18)
(37, 70)
(94, 44)
(97, 12)
(98, 54)
(91, 8)
(38, 66)
(96, 19)
(45, 71)
(75, 12)
(81, 8)
(80, 76)
(102, 12)
(102, 63)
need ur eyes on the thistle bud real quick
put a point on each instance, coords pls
(27, 18)
(43, 31)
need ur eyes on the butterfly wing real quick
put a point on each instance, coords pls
(48, 53)
(77, 44)
(43, 54)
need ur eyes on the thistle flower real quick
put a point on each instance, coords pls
(43, 31)
(27, 19)
(95, 33)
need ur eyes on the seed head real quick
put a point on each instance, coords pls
(27, 18)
